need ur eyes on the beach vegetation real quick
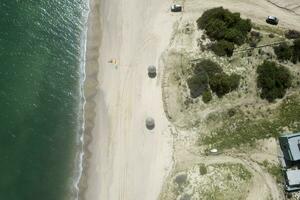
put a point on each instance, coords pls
(242, 131)
(292, 34)
(223, 48)
(274, 170)
(296, 51)
(225, 27)
(222, 83)
(198, 84)
(202, 169)
(283, 51)
(273, 80)
(206, 96)
(209, 75)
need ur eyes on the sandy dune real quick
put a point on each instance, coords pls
(128, 162)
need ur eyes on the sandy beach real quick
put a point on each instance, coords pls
(124, 160)
(127, 160)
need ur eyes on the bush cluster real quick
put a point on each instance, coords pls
(198, 84)
(222, 25)
(292, 34)
(206, 96)
(296, 51)
(283, 51)
(222, 83)
(255, 38)
(223, 48)
(286, 52)
(209, 75)
(273, 80)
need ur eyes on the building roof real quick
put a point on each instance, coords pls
(293, 145)
(293, 177)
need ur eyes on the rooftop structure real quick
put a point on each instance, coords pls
(292, 180)
(290, 146)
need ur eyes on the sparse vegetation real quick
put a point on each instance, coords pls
(273, 80)
(217, 181)
(226, 27)
(274, 170)
(241, 130)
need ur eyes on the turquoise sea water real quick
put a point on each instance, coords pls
(40, 99)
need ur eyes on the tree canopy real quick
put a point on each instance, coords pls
(273, 80)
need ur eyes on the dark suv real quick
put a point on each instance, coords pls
(176, 8)
(272, 20)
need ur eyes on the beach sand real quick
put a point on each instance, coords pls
(123, 160)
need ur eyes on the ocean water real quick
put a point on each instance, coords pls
(41, 75)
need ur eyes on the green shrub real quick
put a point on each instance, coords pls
(221, 24)
(243, 25)
(296, 51)
(206, 96)
(208, 73)
(223, 48)
(254, 39)
(207, 66)
(197, 84)
(273, 80)
(292, 34)
(202, 169)
(222, 83)
(283, 51)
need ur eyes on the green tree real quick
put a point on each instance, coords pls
(198, 83)
(273, 80)
(222, 83)
(221, 24)
(223, 48)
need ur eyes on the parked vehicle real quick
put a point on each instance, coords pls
(272, 20)
(152, 71)
(176, 8)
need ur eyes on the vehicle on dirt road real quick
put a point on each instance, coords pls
(176, 8)
(272, 20)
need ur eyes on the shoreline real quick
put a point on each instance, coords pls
(90, 84)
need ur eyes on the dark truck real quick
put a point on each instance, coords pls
(176, 8)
